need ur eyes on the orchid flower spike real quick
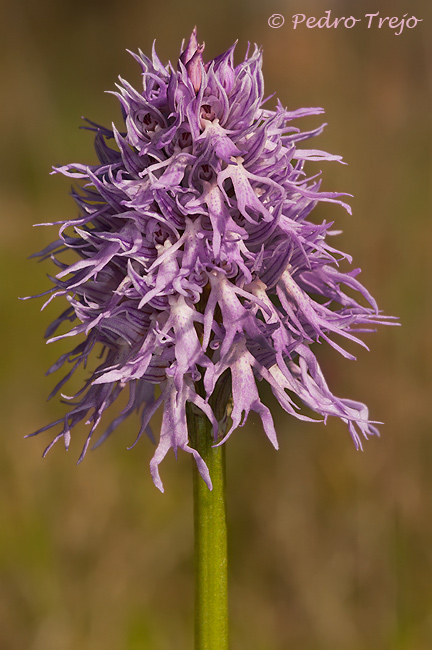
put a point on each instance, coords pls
(197, 263)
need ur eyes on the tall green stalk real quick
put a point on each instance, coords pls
(211, 576)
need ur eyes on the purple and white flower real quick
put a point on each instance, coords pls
(196, 261)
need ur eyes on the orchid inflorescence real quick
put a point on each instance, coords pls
(197, 265)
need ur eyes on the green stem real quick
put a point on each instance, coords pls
(211, 593)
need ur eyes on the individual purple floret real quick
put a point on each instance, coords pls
(196, 261)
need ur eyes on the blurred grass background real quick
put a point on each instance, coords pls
(329, 548)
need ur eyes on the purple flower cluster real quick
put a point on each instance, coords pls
(196, 263)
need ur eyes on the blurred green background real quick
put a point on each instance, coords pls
(329, 548)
